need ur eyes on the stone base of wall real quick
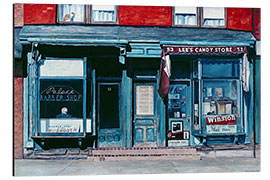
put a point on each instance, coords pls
(57, 154)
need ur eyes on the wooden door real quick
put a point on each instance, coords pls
(145, 118)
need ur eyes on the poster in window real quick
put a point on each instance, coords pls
(144, 100)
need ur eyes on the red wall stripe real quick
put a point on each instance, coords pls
(145, 15)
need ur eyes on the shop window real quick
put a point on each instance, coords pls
(71, 13)
(61, 96)
(221, 97)
(185, 16)
(213, 16)
(103, 13)
(221, 87)
(220, 69)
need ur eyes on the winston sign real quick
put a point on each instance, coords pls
(221, 124)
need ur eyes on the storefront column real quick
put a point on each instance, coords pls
(127, 108)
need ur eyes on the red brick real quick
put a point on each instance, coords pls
(18, 118)
(39, 13)
(257, 23)
(239, 19)
(18, 15)
(145, 15)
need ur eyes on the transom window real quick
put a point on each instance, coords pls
(86, 14)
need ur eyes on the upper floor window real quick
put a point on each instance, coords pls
(199, 17)
(71, 13)
(76, 13)
(103, 13)
(213, 16)
(185, 16)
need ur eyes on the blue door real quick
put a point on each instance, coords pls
(109, 127)
(145, 119)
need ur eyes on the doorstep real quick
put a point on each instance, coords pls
(55, 154)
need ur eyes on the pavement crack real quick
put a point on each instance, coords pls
(68, 164)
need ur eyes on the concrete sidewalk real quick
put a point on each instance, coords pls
(29, 167)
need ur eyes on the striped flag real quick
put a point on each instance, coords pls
(164, 75)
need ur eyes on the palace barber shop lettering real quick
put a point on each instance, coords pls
(60, 93)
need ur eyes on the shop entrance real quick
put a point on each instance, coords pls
(179, 114)
(109, 128)
(144, 119)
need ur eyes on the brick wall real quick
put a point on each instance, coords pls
(18, 117)
(257, 23)
(239, 19)
(145, 15)
(18, 15)
(39, 13)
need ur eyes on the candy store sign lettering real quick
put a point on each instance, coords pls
(205, 49)
(60, 93)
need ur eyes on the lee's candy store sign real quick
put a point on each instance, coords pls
(205, 49)
(221, 124)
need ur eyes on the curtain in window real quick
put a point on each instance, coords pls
(185, 15)
(71, 13)
(103, 13)
(213, 16)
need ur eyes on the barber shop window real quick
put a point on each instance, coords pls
(185, 16)
(86, 14)
(61, 96)
(213, 17)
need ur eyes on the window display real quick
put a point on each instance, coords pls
(61, 96)
(220, 95)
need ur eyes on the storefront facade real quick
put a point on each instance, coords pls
(97, 86)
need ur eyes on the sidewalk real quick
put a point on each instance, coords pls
(35, 167)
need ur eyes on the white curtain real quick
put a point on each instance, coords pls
(245, 73)
(70, 10)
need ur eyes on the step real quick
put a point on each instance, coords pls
(144, 157)
(144, 150)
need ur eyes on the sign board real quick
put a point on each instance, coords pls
(61, 125)
(221, 124)
(216, 129)
(182, 135)
(204, 49)
(178, 143)
(144, 100)
(221, 120)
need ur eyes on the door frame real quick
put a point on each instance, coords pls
(109, 130)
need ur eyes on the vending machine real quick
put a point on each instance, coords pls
(178, 133)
